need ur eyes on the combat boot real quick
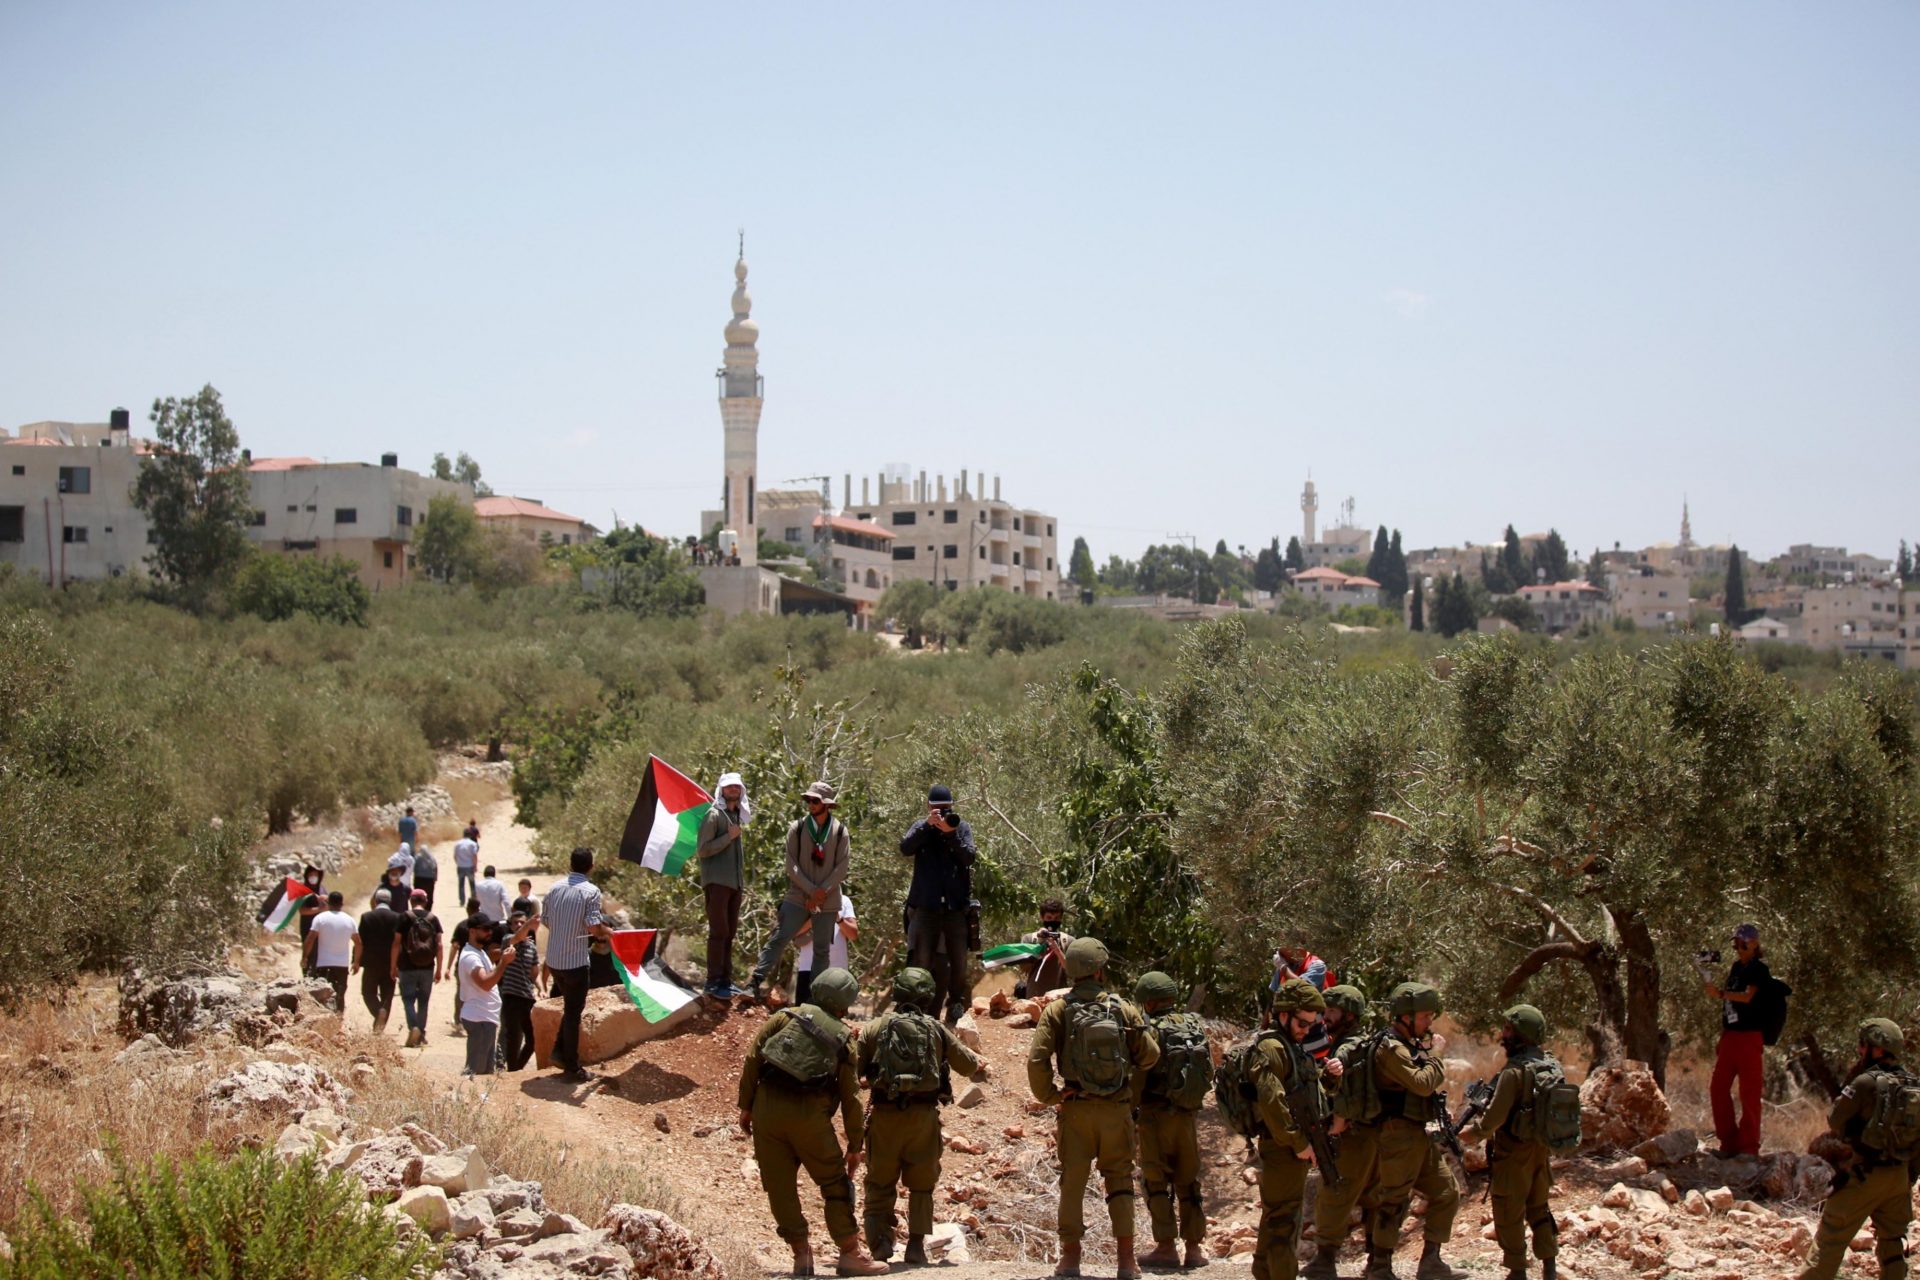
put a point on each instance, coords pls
(917, 1250)
(1379, 1265)
(1549, 1270)
(803, 1258)
(880, 1241)
(1324, 1265)
(1196, 1255)
(1069, 1264)
(1434, 1267)
(1162, 1256)
(855, 1260)
(1126, 1266)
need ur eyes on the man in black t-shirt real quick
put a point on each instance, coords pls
(1742, 1049)
(379, 957)
(418, 966)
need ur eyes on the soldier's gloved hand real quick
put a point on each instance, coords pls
(746, 1122)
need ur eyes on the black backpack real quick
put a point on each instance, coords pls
(420, 944)
(1770, 1007)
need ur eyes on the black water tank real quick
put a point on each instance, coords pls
(118, 420)
(389, 459)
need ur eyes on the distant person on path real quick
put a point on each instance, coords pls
(1742, 1049)
(571, 914)
(723, 872)
(380, 957)
(472, 830)
(818, 854)
(418, 967)
(1048, 972)
(426, 872)
(409, 827)
(479, 976)
(525, 903)
(310, 908)
(518, 991)
(466, 860)
(845, 929)
(401, 860)
(394, 882)
(941, 846)
(333, 948)
(493, 896)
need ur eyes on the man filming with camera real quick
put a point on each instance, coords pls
(941, 846)
(1740, 1055)
(1047, 971)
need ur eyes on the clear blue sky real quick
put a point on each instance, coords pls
(1547, 264)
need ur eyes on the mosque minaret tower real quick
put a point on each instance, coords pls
(741, 395)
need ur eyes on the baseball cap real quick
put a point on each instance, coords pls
(1747, 933)
(419, 895)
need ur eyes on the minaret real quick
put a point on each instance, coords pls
(741, 392)
(1686, 528)
(1310, 504)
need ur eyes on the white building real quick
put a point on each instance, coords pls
(962, 538)
(1844, 614)
(1651, 599)
(370, 515)
(66, 506)
(1333, 588)
(1566, 606)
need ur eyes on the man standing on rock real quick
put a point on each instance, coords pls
(798, 1072)
(1356, 1119)
(723, 876)
(1176, 1088)
(905, 1058)
(1877, 1118)
(1408, 1072)
(818, 854)
(1519, 1160)
(1103, 1048)
(571, 914)
(941, 846)
(379, 960)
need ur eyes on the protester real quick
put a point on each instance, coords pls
(398, 895)
(518, 993)
(845, 930)
(333, 948)
(401, 860)
(941, 846)
(1047, 972)
(1741, 1052)
(818, 853)
(571, 915)
(1295, 961)
(461, 932)
(478, 976)
(409, 827)
(525, 903)
(472, 830)
(379, 957)
(426, 871)
(418, 967)
(466, 860)
(310, 908)
(723, 870)
(493, 896)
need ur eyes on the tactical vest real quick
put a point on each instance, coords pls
(1184, 1073)
(1396, 1103)
(909, 1060)
(1891, 1133)
(807, 1050)
(1094, 1055)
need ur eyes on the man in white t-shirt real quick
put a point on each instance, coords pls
(479, 987)
(845, 931)
(492, 892)
(333, 949)
(466, 861)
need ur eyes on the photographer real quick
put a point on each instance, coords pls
(941, 846)
(1047, 972)
(1742, 1045)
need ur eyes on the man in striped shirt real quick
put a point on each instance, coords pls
(571, 914)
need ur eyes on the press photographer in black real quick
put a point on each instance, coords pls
(941, 846)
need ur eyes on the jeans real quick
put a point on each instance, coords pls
(516, 1030)
(416, 990)
(376, 989)
(480, 1041)
(930, 932)
(793, 918)
(573, 1002)
(723, 922)
(463, 885)
(336, 976)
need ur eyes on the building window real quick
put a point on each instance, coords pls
(74, 533)
(903, 553)
(386, 559)
(259, 519)
(1049, 534)
(1016, 524)
(983, 553)
(1016, 557)
(952, 552)
(905, 517)
(793, 536)
(346, 515)
(292, 509)
(566, 539)
(951, 516)
(311, 507)
(402, 516)
(13, 524)
(76, 480)
(19, 470)
(1049, 562)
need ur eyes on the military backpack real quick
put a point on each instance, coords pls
(803, 1051)
(1549, 1109)
(1094, 1058)
(1893, 1130)
(1184, 1073)
(909, 1058)
(1358, 1100)
(1236, 1085)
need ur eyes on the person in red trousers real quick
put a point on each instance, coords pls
(1742, 1046)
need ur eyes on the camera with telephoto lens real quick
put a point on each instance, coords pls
(950, 817)
(1707, 957)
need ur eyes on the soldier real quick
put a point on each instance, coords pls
(1104, 1048)
(1175, 1089)
(1877, 1116)
(1520, 1161)
(905, 1057)
(1408, 1072)
(796, 1075)
(1356, 1117)
(1285, 1154)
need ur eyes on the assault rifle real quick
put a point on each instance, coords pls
(1447, 1127)
(1307, 1108)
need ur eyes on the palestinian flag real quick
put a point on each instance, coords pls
(665, 822)
(648, 985)
(1011, 953)
(286, 907)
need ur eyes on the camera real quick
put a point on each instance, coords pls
(950, 816)
(1707, 957)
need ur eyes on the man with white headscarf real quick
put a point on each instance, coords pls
(723, 874)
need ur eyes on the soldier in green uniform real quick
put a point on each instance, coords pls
(1176, 1088)
(1356, 1121)
(905, 1059)
(1103, 1048)
(797, 1074)
(1407, 1071)
(1520, 1164)
(1285, 1155)
(1878, 1117)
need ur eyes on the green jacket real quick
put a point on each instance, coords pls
(722, 859)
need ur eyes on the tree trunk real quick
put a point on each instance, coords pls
(279, 818)
(494, 754)
(1607, 1033)
(1812, 1061)
(1645, 1040)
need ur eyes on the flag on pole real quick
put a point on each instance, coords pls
(647, 983)
(1011, 953)
(664, 825)
(286, 907)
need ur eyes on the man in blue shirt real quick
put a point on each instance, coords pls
(409, 828)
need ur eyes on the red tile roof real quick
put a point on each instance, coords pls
(1322, 574)
(1569, 585)
(281, 464)
(496, 508)
(847, 524)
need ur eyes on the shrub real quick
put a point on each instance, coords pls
(250, 1217)
(277, 587)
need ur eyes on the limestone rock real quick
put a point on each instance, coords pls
(291, 993)
(1020, 1021)
(609, 1026)
(427, 1142)
(591, 1253)
(659, 1246)
(948, 1242)
(998, 1006)
(324, 1121)
(456, 1172)
(1668, 1148)
(180, 1010)
(1720, 1199)
(294, 1142)
(389, 1165)
(505, 1195)
(1622, 1106)
(471, 1216)
(968, 1030)
(661, 1122)
(520, 1222)
(972, 1097)
(559, 1224)
(1696, 1204)
(427, 1206)
(275, 1087)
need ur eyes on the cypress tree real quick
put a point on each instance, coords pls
(1736, 588)
(1513, 562)
(1377, 562)
(1396, 582)
(1418, 620)
(1296, 559)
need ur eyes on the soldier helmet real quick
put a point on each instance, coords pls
(1296, 994)
(1352, 999)
(1527, 1022)
(1882, 1033)
(913, 987)
(1155, 985)
(1085, 957)
(835, 990)
(1413, 997)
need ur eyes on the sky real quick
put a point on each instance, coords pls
(1469, 265)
